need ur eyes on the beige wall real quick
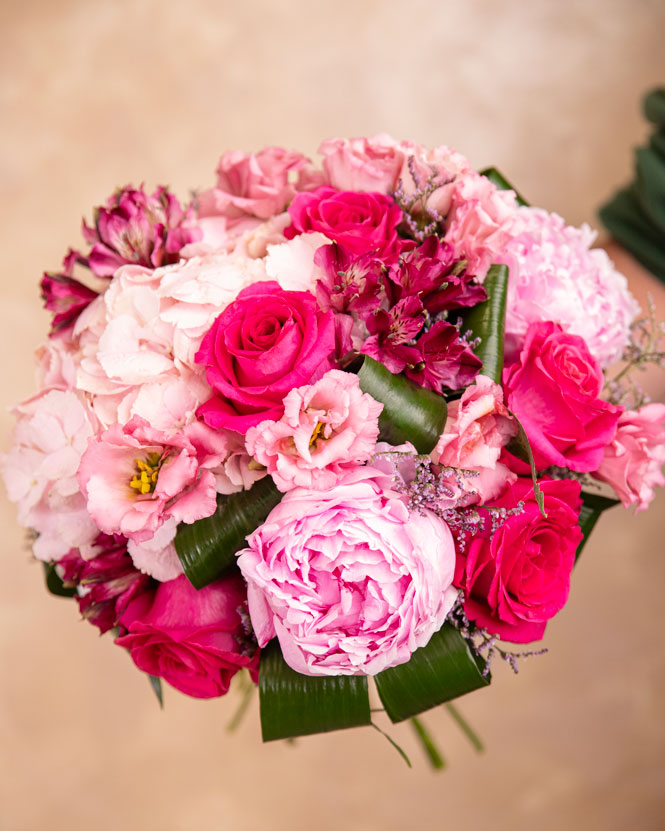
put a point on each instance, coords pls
(95, 94)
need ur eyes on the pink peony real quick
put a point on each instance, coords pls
(50, 437)
(361, 222)
(193, 639)
(556, 276)
(517, 578)
(363, 164)
(478, 427)
(347, 579)
(554, 390)
(327, 428)
(261, 346)
(252, 184)
(136, 478)
(633, 461)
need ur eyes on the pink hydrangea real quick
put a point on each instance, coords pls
(348, 580)
(252, 184)
(327, 428)
(633, 463)
(50, 437)
(478, 427)
(555, 275)
(136, 478)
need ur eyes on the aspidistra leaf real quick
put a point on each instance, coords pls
(293, 704)
(410, 412)
(502, 183)
(54, 582)
(207, 548)
(487, 321)
(444, 669)
(593, 505)
(521, 447)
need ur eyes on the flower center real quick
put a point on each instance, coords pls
(316, 433)
(147, 473)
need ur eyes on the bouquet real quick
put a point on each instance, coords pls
(334, 422)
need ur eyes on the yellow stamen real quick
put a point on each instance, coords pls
(147, 473)
(316, 434)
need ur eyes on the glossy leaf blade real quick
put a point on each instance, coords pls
(156, 684)
(428, 744)
(487, 321)
(520, 446)
(593, 505)
(54, 582)
(502, 183)
(207, 548)
(410, 412)
(298, 705)
(444, 669)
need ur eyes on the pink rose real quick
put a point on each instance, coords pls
(518, 578)
(264, 344)
(477, 428)
(362, 164)
(361, 222)
(349, 581)
(135, 478)
(252, 184)
(633, 461)
(553, 390)
(327, 428)
(193, 639)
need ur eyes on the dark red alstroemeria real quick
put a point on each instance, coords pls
(65, 295)
(350, 283)
(392, 334)
(444, 360)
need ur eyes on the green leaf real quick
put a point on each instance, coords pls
(464, 726)
(156, 684)
(392, 741)
(54, 582)
(410, 412)
(521, 447)
(487, 321)
(431, 750)
(207, 548)
(593, 505)
(298, 705)
(444, 669)
(502, 183)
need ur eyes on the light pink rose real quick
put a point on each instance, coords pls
(51, 434)
(367, 164)
(478, 427)
(135, 478)
(327, 428)
(478, 222)
(633, 462)
(252, 184)
(348, 580)
(555, 275)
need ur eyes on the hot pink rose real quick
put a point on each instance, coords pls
(252, 184)
(193, 639)
(349, 581)
(516, 579)
(327, 428)
(264, 344)
(363, 164)
(554, 389)
(634, 460)
(361, 222)
(477, 428)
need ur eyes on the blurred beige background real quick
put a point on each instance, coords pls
(97, 94)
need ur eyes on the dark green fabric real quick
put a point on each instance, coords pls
(635, 216)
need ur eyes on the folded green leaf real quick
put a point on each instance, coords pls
(502, 183)
(521, 447)
(444, 669)
(392, 741)
(593, 505)
(487, 321)
(434, 757)
(207, 548)
(465, 727)
(156, 684)
(410, 412)
(54, 582)
(298, 705)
